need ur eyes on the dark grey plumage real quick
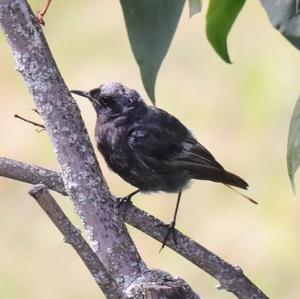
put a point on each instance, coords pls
(149, 148)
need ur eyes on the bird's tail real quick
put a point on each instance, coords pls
(241, 194)
(218, 174)
(231, 179)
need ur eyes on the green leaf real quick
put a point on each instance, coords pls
(285, 17)
(195, 6)
(151, 25)
(293, 148)
(220, 17)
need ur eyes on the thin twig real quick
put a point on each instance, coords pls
(73, 236)
(35, 110)
(40, 16)
(230, 277)
(30, 121)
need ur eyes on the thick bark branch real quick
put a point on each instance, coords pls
(230, 278)
(81, 174)
(80, 170)
(73, 236)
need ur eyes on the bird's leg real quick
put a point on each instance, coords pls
(171, 226)
(126, 200)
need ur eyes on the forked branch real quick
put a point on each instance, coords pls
(230, 278)
(73, 236)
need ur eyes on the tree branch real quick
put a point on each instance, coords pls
(81, 173)
(73, 236)
(230, 278)
(31, 174)
(61, 116)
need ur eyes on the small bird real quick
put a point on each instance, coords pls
(149, 148)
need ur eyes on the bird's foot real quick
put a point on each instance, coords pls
(124, 201)
(170, 232)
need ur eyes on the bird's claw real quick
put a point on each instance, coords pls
(126, 201)
(170, 231)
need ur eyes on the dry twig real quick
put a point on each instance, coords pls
(41, 14)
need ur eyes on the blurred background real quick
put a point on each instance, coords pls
(240, 112)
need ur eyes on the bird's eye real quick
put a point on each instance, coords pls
(95, 93)
(107, 100)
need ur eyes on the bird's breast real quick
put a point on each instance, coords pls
(111, 142)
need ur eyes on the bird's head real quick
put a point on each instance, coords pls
(113, 99)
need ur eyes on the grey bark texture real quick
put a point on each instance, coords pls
(81, 174)
(231, 278)
(31, 174)
(73, 236)
(80, 171)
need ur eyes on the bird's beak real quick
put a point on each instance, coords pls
(82, 93)
(85, 94)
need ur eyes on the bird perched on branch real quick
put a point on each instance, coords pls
(148, 147)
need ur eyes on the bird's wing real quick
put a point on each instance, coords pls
(163, 143)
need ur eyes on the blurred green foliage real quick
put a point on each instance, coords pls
(151, 25)
(219, 20)
(293, 151)
(285, 17)
(240, 112)
(195, 7)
